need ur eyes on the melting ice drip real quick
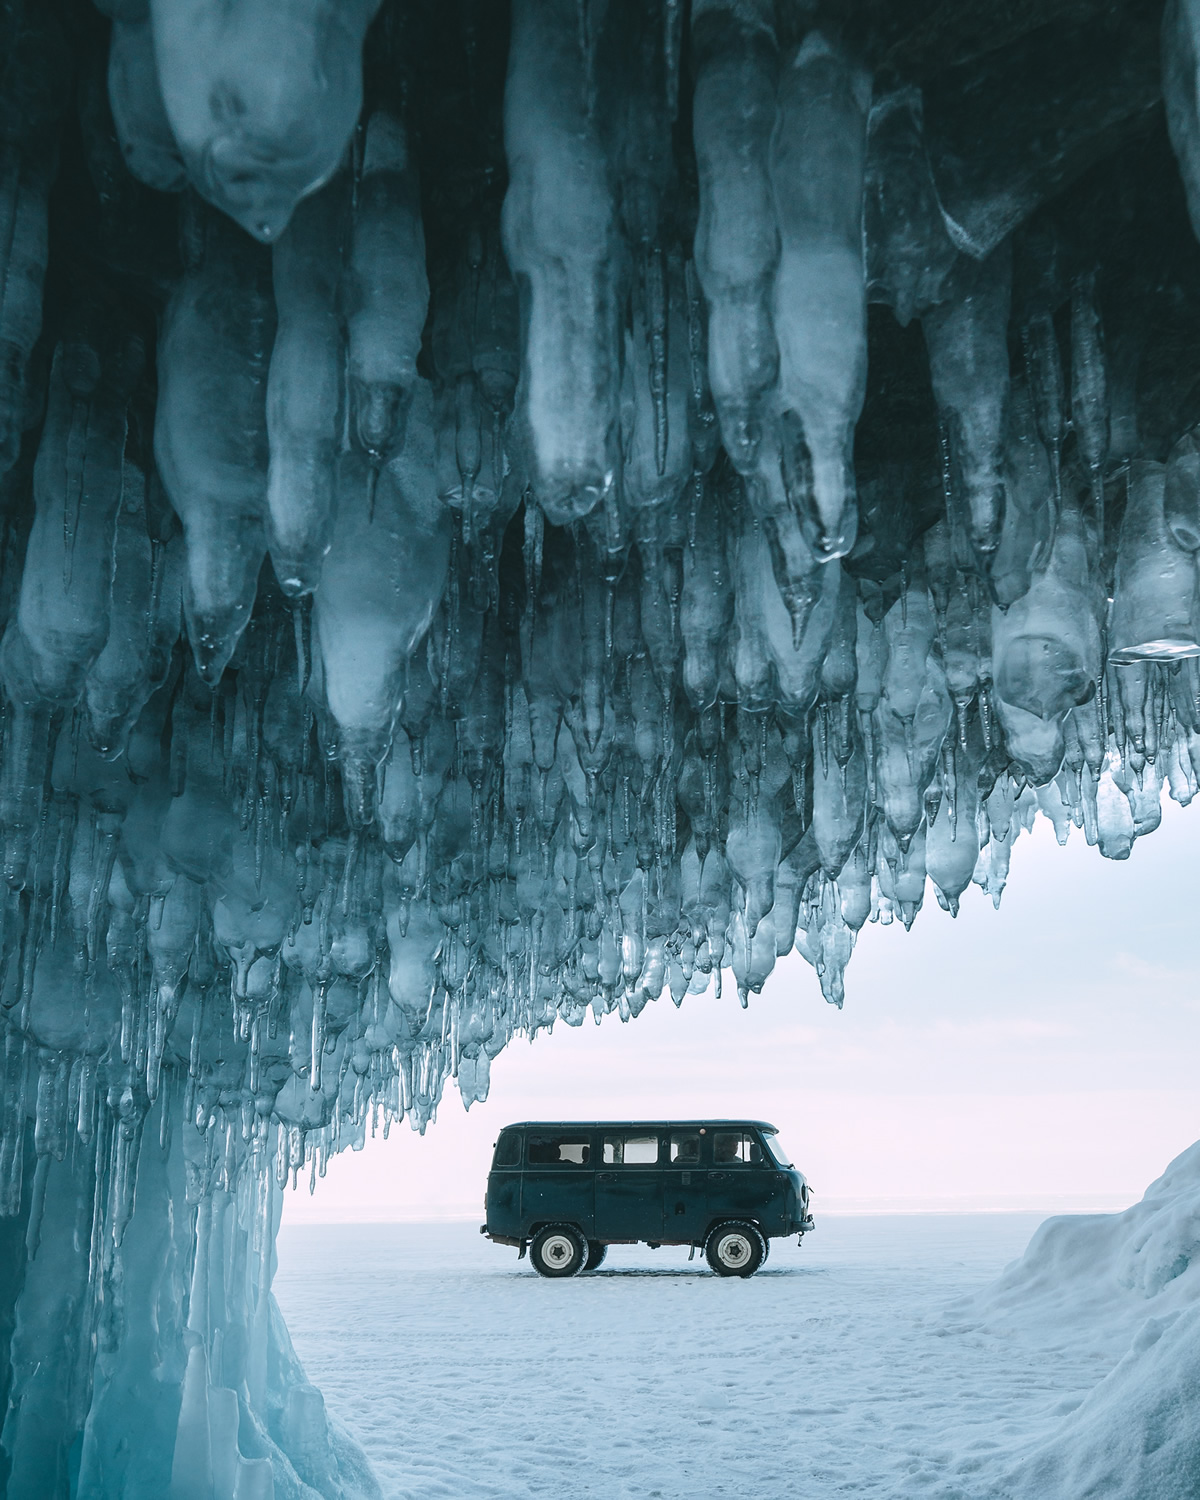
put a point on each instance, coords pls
(506, 515)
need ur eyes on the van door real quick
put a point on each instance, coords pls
(742, 1183)
(557, 1185)
(629, 1187)
(685, 1189)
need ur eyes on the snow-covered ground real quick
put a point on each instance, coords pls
(842, 1368)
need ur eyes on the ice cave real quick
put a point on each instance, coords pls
(513, 512)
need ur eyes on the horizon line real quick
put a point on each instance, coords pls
(1049, 1205)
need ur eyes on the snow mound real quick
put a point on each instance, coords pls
(1127, 1286)
(1137, 1436)
(1101, 1270)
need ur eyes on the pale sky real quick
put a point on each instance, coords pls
(1043, 1056)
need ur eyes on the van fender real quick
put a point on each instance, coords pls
(744, 1218)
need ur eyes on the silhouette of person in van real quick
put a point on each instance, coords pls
(687, 1152)
(725, 1150)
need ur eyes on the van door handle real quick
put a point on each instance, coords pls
(606, 1177)
(718, 1177)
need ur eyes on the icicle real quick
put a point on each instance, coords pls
(1044, 372)
(12, 1123)
(817, 162)
(256, 152)
(1089, 387)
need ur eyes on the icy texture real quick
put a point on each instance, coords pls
(737, 238)
(304, 390)
(261, 97)
(656, 501)
(818, 151)
(560, 239)
(210, 431)
(386, 295)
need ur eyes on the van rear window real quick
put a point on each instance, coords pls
(558, 1151)
(508, 1150)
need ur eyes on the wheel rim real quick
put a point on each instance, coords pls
(559, 1250)
(734, 1250)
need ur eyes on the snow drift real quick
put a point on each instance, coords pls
(1128, 1287)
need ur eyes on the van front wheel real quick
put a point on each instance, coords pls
(735, 1249)
(558, 1250)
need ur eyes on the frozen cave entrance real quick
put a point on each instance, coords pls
(510, 510)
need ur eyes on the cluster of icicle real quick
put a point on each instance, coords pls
(398, 658)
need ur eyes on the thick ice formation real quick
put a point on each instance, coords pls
(486, 547)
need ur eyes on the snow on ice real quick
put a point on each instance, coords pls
(842, 1371)
(510, 513)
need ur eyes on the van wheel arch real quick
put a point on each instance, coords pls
(702, 1244)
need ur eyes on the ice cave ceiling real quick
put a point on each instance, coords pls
(509, 511)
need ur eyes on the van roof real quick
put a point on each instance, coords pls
(639, 1125)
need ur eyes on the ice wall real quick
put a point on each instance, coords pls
(509, 511)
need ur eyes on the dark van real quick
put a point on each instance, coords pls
(565, 1191)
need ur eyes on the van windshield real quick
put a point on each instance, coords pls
(782, 1159)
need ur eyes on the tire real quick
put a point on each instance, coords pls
(558, 1250)
(595, 1255)
(735, 1248)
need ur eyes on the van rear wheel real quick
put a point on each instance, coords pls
(558, 1250)
(735, 1248)
(595, 1255)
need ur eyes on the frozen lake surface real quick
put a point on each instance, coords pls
(835, 1371)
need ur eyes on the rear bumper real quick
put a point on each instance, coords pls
(500, 1239)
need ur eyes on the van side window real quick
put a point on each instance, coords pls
(630, 1150)
(508, 1150)
(733, 1148)
(685, 1149)
(558, 1150)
